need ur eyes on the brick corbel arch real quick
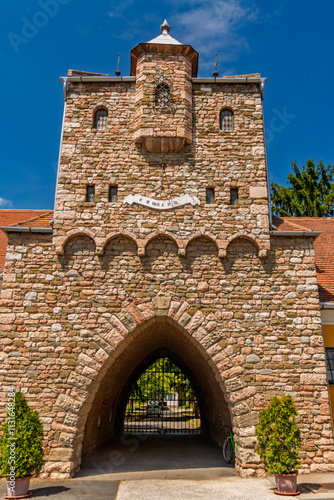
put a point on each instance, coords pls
(142, 244)
(62, 242)
(206, 234)
(127, 326)
(102, 242)
(261, 245)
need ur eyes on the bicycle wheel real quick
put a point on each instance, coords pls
(228, 450)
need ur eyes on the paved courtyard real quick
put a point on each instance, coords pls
(312, 487)
(167, 468)
(154, 456)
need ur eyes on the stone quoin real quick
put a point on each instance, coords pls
(89, 296)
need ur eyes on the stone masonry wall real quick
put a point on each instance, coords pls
(82, 308)
(219, 159)
(175, 119)
(69, 321)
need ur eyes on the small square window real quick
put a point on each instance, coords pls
(234, 197)
(90, 193)
(210, 196)
(113, 193)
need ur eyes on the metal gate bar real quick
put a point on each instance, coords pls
(162, 401)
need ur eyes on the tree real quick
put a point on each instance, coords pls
(21, 445)
(310, 192)
(161, 379)
(279, 437)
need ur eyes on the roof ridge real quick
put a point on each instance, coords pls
(25, 210)
(294, 225)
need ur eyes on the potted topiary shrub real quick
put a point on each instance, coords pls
(279, 442)
(21, 449)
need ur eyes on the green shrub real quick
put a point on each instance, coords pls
(278, 436)
(28, 434)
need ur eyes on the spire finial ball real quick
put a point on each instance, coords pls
(165, 28)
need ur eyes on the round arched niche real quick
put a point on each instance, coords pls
(157, 336)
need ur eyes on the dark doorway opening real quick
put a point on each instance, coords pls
(162, 401)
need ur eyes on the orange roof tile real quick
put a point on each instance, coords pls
(323, 248)
(25, 218)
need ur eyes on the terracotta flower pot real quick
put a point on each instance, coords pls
(20, 489)
(286, 484)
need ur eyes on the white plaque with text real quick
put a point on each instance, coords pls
(161, 204)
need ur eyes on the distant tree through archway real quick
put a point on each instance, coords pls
(162, 401)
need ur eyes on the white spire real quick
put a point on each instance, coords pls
(165, 37)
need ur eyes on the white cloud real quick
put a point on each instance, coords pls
(5, 203)
(209, 26)
(117, 10)
(215, 27)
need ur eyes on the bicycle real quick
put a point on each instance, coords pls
(229, 448)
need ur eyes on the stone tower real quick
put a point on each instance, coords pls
(163, 70)
(161, 242)
(167, 134)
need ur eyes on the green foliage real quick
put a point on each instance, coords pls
(278, 436)
(152, 386)
(25, 439)
(310, 192)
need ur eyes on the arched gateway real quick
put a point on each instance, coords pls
(155, 338)
(150, 333)
(161, 247)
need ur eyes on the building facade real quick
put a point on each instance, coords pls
(161, 242)
(324, 257)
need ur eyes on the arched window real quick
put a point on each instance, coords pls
(162, 95)
(100, 119)
(226, 119)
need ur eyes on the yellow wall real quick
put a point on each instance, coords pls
(331, 396)
(328, 331)
(328, 335)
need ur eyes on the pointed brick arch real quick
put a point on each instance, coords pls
(135, 334)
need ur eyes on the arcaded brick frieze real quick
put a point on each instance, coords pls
(250, 327)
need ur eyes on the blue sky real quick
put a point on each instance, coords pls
(288, 41)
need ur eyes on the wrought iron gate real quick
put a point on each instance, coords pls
(162, 401)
